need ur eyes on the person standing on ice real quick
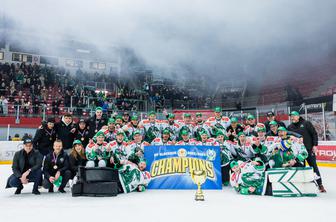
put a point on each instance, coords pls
(218, 122)
(26, 168)
(310, 140)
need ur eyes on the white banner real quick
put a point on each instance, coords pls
(8, 149)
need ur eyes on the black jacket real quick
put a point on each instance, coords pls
(34, 159)
(307, 131)
(238, 129)
(75, 163)
(62, 163)
(94, 126)
(268, 126)
(83, 136)
(43, 140)
(63, 133)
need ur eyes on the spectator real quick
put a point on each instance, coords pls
(26, 168)
(16, 137)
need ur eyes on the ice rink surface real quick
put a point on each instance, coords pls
(166, 205)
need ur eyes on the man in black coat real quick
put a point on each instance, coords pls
(45, 137)
(26, 168)
(95, 123)
(270, 118)
(234, 129)
(310, 140)
(65, 130)
(56, 168)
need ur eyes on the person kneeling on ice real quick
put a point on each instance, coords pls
(134, 177)
(248, 177)
(26, 168)
(56, 169)
(99, 153)
(288, 152)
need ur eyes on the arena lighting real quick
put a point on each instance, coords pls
(83, 51)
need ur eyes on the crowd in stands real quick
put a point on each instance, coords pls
(33, 87)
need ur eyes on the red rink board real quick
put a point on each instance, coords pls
(326, 152)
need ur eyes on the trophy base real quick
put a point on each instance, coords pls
(199, 197)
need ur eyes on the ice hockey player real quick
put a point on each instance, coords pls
(205, 140)
(186, 139)
(233, 129)
(119, 151)
(218, 122)
(98, 153)
(172, 125)
(242, 147)
(136, 149)
(288, 152)
(151, 126)
(165, 140)
(200, 125)
(186, 125)
(131, 127)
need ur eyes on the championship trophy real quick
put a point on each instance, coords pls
(199, 177)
